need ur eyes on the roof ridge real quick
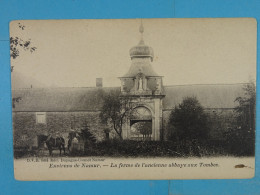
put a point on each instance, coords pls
(206, 84)
(63, 88)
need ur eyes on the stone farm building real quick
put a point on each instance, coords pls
(58, 110)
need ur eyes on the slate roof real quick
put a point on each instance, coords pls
(90, 99)
(210, 96)
(60, 99)
(140, 65)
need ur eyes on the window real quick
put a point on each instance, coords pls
(23, 137)
(40, 117)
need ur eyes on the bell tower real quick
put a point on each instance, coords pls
(145, 88)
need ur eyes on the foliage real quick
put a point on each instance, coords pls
(144, 128)
(115, 110)
(186, 149)
(87, 135)
(17, 43)
(15, 100)
(131, 148)
(247, 107)
(241, 136)
(85, 139)
(188, 121)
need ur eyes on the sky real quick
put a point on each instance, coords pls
(73, 53)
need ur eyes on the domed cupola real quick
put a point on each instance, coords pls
(141, 50)
(141, 79)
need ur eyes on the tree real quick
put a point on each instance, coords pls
(86, 134)
(144, 128)
(16, 99)
(241, 137)
(247, 107)
(115, 110)
(17, 43)
(188, 121)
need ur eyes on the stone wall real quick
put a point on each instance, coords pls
(25, 128)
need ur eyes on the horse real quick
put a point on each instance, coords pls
(53, 143)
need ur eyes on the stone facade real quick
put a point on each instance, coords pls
(26, 128)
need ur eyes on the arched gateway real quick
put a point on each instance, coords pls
(145, 88)
(141, 120)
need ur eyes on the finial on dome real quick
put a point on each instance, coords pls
(141, 28)
(141, 50)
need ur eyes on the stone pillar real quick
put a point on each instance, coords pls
(126, 129)
(160, 84)
(122, 85)
(136, 84)
(145, 84)
(157, 111)
(161, 122)
(153, 129)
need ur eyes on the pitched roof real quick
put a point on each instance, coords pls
(210, 96)
(59, 99)
(140, 65)
(90, 99)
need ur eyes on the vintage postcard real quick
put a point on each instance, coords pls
(133, 98)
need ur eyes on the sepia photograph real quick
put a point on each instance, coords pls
(110, 99)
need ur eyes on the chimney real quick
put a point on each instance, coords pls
(99, 82)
